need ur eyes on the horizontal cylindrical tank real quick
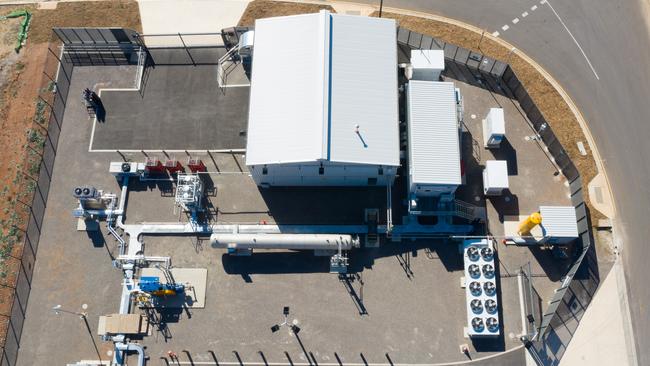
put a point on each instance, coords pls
(284, 241)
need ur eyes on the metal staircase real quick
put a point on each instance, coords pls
(469, 211)
(227, 63)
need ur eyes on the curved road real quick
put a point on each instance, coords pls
(599, 50)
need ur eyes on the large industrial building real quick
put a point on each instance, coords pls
(324, 108)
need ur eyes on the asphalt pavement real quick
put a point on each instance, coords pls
(599, 51)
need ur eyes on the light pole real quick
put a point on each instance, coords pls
(381, 7)
(57, 309)
(293, 326)
(82, 315)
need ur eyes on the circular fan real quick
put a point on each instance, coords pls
(490, 288)
(492, 324)
(475, 288)
(472, 253)
(477, 324)
(487, 253)
(477, 306)
(491, 306)
(474, 271)
(488, 270)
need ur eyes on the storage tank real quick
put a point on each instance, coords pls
(284, 241)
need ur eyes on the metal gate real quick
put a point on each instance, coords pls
(100, 46)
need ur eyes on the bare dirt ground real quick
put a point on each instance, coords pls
(556, 112)
(21, 82)
(265, 9)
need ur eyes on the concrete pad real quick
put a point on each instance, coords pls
(600, 196)
(196, 277)
(200, 117)
(171, 17)
(87, 225)
(601, 337)
(511, 225)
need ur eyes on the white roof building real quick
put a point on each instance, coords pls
(324, 89)
(434, 145)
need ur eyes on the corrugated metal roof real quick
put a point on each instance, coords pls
(288, 97)
(559, 221)
(364, 91)
(434, 148)
(350, 59)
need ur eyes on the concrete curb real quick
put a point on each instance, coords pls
(625, 312)
(610, 211)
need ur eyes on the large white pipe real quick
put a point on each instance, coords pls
(284, 241)
(121, 348)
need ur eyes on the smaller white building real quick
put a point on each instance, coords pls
(427, 64)
(559, 224)
(433, 138)
(494, 128)
(495, 177)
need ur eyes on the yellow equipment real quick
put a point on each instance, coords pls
(529, 223)
(164, 292)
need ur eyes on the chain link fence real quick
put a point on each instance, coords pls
(20, 240)
(32, 183)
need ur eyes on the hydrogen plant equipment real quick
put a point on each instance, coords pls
(189, 194)
(93, 203)
(480, 288)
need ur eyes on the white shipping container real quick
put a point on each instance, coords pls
(433, 138)
(494, 128)
(495, 177)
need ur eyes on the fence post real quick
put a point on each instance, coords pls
(186, 50)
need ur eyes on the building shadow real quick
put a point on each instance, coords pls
(348, 281)
(162, 182)
(554, 268)
(282, 262)
(506, 204)
(323, 205)
(509, 154)
(96, 237)
(275, 263)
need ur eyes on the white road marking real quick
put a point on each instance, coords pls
(524, 14)
(572, 37)
(543, 2)
(495, 34)
(515, 21)
(505, 27)
(533, 8)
